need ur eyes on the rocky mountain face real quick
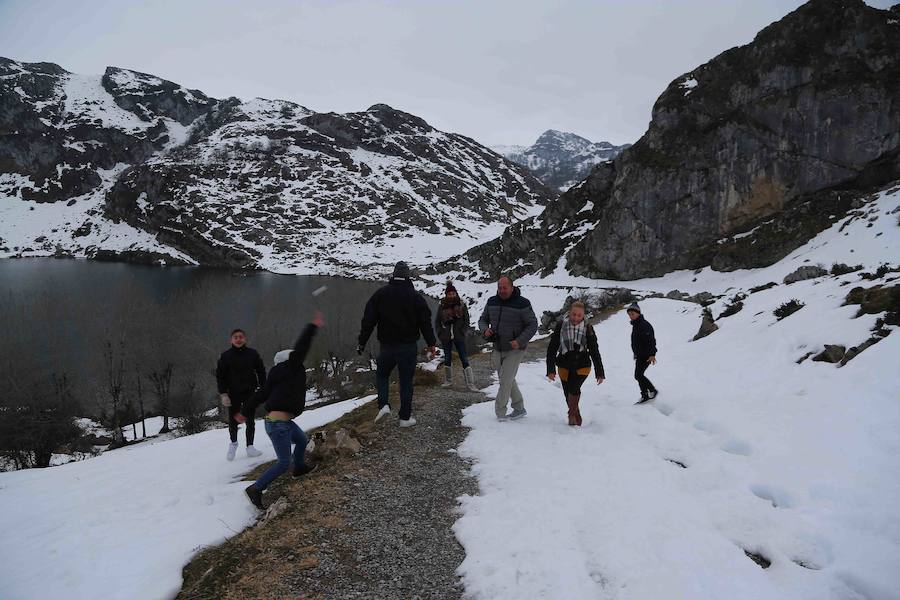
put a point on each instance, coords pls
(746, 157)
(130, 166)
(561, 159)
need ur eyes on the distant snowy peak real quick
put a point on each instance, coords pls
(130, 166)
(561, 159)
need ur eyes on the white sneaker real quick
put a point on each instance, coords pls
(385, 411)
(408, 422)
(232, 448)
(253, 452)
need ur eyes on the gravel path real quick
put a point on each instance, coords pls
(400, 505)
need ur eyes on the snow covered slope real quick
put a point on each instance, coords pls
(744, 451)
(752, 448)
(123, 525)
(130, 166)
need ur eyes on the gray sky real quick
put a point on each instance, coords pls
(501, 72)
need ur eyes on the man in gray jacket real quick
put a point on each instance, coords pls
(509, 322)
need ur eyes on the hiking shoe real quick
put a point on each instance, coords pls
(254, 495)
(304, 470)
(383, 412)
(653, 394)
(253, 452)
(643, 399)
(232, 448)
(502, 418)
(408, 422)
(517, 414)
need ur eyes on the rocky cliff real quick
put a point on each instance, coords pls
(792, 126)
(127, 165)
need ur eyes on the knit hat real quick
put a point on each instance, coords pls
(450, 288)
(401, 270)
(634, 307)
(282, 356)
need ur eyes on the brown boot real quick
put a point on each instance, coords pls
(570, 403)
(576, 410)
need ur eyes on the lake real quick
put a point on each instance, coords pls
(58, 317)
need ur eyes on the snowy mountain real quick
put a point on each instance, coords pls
(129, 166)
(746, 157)
(561, 159)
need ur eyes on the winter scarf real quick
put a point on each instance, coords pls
(451, 309)
(571, 337)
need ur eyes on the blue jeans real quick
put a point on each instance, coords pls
(460, 345)
(402, 356)
(283, 434)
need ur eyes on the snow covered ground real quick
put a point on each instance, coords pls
(796, 463)
(123, 525)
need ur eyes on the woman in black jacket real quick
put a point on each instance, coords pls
(451, 323)
(572, 349)
(284, 396)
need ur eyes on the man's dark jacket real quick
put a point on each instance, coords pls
(399, 312)
(239, 372)
(285, 387)
(643, 341)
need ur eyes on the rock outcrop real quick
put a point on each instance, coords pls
(756, 149)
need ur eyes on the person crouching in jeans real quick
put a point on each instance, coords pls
(284, 396)
(572, 349)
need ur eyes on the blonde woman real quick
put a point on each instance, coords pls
(572, 349)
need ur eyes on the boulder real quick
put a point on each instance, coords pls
(805, 272)
(707, 326)
(832, 353)
(328, 443)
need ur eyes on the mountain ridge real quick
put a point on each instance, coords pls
(559, 158)
(127, 165)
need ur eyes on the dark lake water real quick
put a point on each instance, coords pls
(57, 316)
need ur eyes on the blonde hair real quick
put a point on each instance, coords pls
(577, 304)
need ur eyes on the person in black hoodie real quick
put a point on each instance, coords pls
(239, 372)
(573, 347)
(284, 397)
(643, 345)
(401, 314)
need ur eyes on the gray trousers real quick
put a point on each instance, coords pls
(507, 365)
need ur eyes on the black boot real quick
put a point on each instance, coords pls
(255, 496)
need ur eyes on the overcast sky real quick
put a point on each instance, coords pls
(501, 72)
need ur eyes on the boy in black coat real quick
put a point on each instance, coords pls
(239, 373)
(643, 345)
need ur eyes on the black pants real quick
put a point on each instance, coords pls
(572, 381)
(402, 356)
(234, 409)
(640, 365)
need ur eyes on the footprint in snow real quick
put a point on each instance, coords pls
(666, 409)
(779, 497)
(707, 426)
(738, 447)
